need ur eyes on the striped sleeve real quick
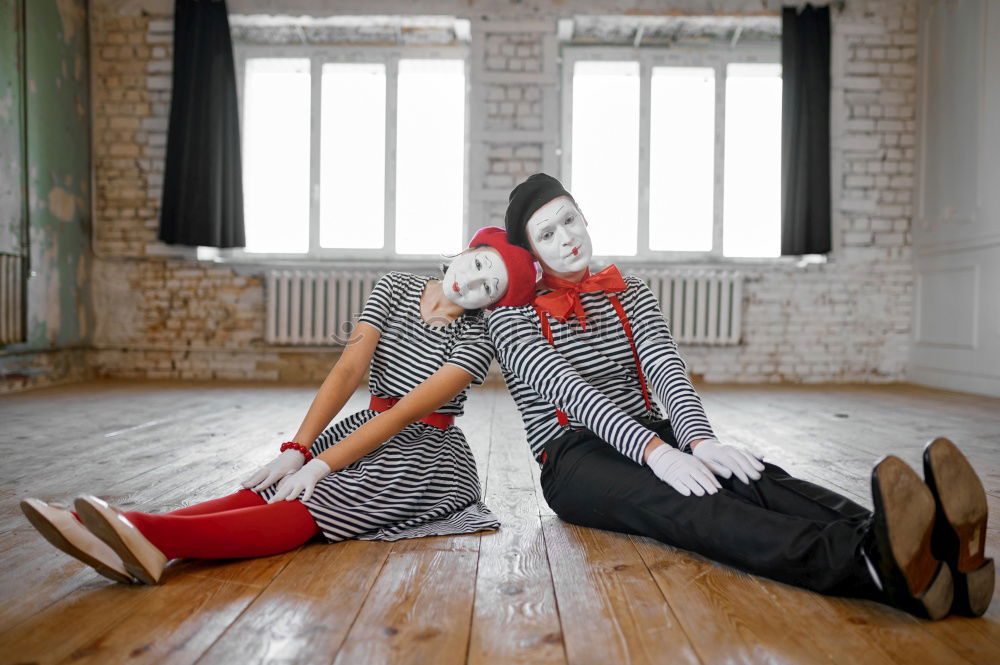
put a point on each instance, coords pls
(379, 302)
(523, 352)
(665, 368)
(473, 351)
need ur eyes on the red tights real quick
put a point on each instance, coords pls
(237, 526)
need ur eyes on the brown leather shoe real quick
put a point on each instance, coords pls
(141, 557)
(913, 579)
(58, 526)
(960, 527)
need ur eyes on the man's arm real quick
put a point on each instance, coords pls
(665, 369)
(668, 374)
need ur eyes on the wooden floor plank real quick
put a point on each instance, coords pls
(729, 615)
(514, 618)
(173, 625)
(612, 610)
(419, 611)
(67, 628)
(304, 614)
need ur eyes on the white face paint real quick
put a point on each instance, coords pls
(476, 278)
(559, 238)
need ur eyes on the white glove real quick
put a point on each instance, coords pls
(725, 460)
(682, 471)
(289, 461)
(301, 482)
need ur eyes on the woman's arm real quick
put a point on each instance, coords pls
(340, 383)
(426, 398)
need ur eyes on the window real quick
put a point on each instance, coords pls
(752, 210)
(675, 154)
(353, 153)
(606, 150)
(276, 131)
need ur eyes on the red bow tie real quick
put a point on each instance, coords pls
(564, 300)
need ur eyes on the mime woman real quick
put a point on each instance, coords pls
(398, 469)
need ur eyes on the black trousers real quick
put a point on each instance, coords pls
(779, 527)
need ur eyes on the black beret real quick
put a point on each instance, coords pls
(525, 199)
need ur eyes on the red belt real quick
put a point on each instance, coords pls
(439, 420)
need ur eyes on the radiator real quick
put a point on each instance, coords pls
(11, 299)
(315, 308)
(318, 308)
(701, 306)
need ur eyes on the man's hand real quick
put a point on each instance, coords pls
(682, 471)
(726, 460)
(289, 461)
(301, 482)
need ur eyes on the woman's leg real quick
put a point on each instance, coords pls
(242, 499)
(259, 530)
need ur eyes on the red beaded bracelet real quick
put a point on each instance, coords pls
(296, 446)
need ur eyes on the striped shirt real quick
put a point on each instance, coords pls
(410, 350)
(590, 374)
(423, 481)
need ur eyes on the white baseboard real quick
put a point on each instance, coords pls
(967, 383)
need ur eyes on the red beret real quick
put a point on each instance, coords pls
(521, 271)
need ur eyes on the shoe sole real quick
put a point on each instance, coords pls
(98, 524)
(52, 534)
(908, 508)
(963, 511)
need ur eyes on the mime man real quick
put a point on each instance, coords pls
(579, 364)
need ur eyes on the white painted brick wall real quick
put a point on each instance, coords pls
(848, 320)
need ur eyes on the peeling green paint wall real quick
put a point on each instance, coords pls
(11, 153)
(58, 173)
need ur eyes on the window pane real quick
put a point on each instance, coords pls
(752, 209)
(276, 154)
(430, 156)
(605, 152)
(352, 156)
(682, 158)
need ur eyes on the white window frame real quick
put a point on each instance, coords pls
(716, 57)
(390, 57)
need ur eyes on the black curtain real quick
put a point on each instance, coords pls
(805, 130)
(203, 179)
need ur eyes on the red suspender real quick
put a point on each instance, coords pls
(635, 352)
(543, 318)
(547, 331)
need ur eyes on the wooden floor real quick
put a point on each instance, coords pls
(537, 591)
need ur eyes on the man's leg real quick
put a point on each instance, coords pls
(589, 483)
(779, 491)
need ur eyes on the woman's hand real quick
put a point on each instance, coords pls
(289, 461)
(725, 460)
(301, 482)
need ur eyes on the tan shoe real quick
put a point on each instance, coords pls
(58, 526)
(960, 525)
(141, 557)
(913, 579)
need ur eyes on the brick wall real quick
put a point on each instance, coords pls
(166, 315)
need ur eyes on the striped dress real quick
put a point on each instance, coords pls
(423, 481)
(590, 373)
